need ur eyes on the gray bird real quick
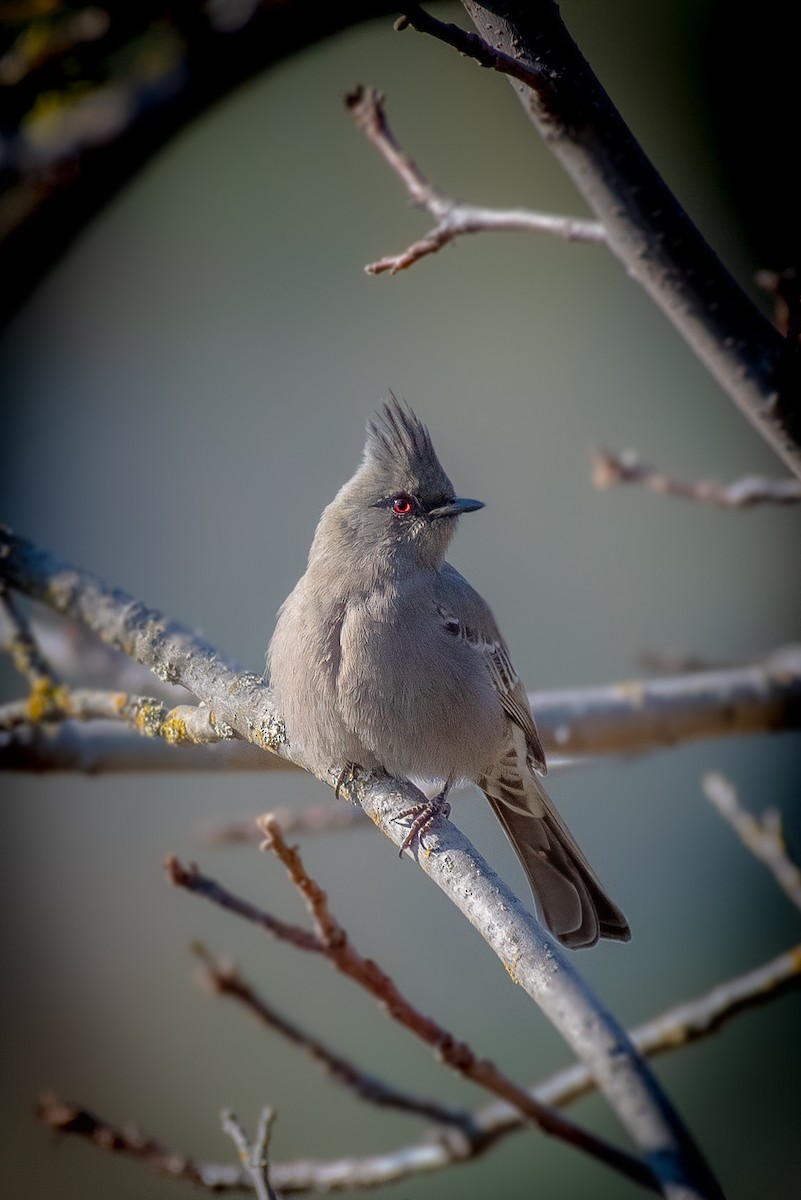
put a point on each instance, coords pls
(384, 656)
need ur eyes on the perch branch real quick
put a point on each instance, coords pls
(646, 227)
(453, 219)
(761, 835)
(678, 1026)
(331, 940)
(529, 953)
(609, 470)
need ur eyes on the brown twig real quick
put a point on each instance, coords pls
(191, 880)
(316, 818)
(761, 835)
(679, 1026)
(224, 980)
(63, 1117)
(453, 219)
(609, 470)
(330, 939)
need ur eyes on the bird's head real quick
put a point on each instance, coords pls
(400, 503)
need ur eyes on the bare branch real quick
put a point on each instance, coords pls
(646, 227)
(609, 470)
(762, 836)
(224, 980)
(19, 641)
(331, 940)
(253, 1158)
(64, 1117)
(191, 880)
(317, 818)
(453, 219)
(678, 1026)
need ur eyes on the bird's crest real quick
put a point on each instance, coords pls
(398, 441)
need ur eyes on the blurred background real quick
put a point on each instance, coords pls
(186, 390)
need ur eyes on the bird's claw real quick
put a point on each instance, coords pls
(424, 815)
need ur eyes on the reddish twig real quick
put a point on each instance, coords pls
(330, 939)
(453, 219)
(679, 1026)
(224, 980)
(316, 818)
(610, 470)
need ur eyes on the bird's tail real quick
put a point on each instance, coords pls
(569, 898)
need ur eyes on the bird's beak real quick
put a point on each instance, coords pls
(455, 508)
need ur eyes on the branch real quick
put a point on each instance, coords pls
(332, 941)
(609, 470)
(762, 836)
(19, 641)
(529, 953)
(646, 227)
(453, 219)
(184, 725)
(678, 1026)
(252, 1157)
(223, 979)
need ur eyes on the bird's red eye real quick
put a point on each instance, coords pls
(402, 505)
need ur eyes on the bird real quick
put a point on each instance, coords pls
(385, 658)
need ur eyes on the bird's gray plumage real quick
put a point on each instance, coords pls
(384, 656)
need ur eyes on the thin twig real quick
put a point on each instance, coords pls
(21, 644)
(316, 818)
(761, 835)
(679, 1026)
(609, 470)
(453, 218)
(225, 980)
(331, 940)
(253, 1157)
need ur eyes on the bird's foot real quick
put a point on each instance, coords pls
(423, 816)
(346, 776)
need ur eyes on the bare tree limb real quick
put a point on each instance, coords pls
(646, 227)
(453, 219)
(529, 953)
(333, 942)
(609, 470)
(678, 1026)
(762, 836)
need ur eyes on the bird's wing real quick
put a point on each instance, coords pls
(465, 614)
